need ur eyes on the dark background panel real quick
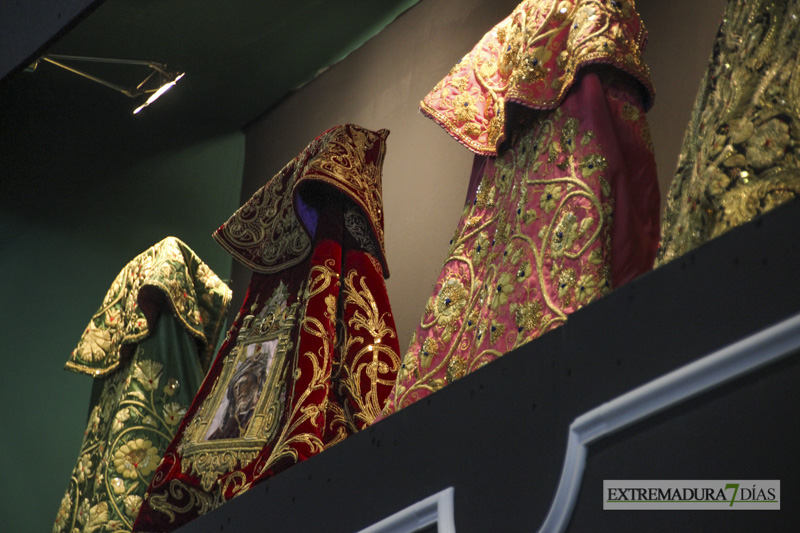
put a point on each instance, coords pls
(499, 434)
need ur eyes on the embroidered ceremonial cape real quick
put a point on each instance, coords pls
(313, 353)
(563, 199)
(739, 157)
(147, 347)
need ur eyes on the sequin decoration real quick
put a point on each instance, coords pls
(741, 153)
(532, 58)
(533, 247)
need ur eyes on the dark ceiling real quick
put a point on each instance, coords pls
(240, 57)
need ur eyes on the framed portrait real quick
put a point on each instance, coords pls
(243, 410)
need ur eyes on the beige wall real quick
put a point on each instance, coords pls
(681, 35)
(426, 172)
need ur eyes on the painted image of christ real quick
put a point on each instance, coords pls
(243, 392)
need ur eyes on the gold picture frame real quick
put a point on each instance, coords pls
(209, 447)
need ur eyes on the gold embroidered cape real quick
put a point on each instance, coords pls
(740, 154)
(146, 347)
(193, 293)
(532, 58)
(313, 353)
(563, 200)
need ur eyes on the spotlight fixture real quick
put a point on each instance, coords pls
(161, 90)
(158, 81)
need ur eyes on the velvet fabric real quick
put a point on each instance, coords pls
(312, 354)
(565, 206)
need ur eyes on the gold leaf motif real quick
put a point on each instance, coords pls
(741, 131)
(178, 491)
(368, 316)
(586, 288)
(429, 350)
(532, 58)
(148, 373)
(586, 224)
(94, 345)
(502, 289)
(456, 369)
(374, 358)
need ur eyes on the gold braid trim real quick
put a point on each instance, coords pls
(197, 297)
(532, 58)
(267, 233)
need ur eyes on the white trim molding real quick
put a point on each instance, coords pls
(436, 509)
(702, 375)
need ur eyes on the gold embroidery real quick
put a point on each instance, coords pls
(592, 163)
(266, 235)
(528, 315)
(127, 431)
(449, 304)
(496, 331)
(370, 359)
(532, 58)
(339, 424)
(527, 283)
(301, 413)
(550, 197)
(198, 297)
(739, 155)
(242, 412)
(177, 492)
(352, 162)
(456, 369)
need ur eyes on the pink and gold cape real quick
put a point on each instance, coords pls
(563, 200)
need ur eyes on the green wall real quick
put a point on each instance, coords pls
(67, 230)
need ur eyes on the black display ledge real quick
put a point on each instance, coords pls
(499, 435)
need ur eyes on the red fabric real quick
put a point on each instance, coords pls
(342, 354)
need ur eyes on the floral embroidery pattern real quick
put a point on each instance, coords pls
(740, 154)
(171, 267)
(532, 58)
(148, 374)
(535, 243)
(511, 276)
(266, 234)
(137, 457)
(128, 431)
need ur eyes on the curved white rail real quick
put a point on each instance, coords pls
(436, 509)
(711, 371)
